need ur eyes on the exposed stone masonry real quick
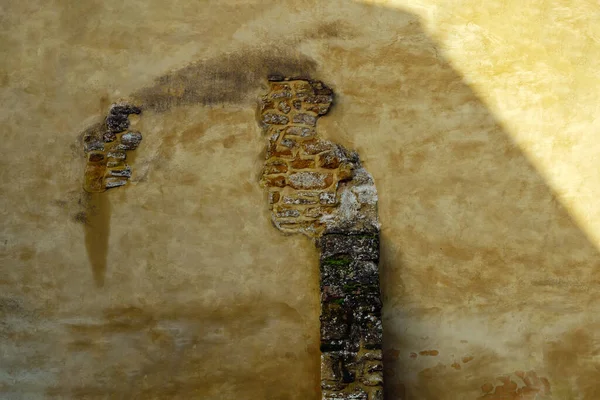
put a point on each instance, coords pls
(320, 189)
(106, 146)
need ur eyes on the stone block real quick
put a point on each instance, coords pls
(358, 247)
(316, 212)
(287, 213)
(273, 197)
(114, 182)
(316, 146)
(327, 198)
(284, 107)
(300, 163)
(310, 180)
(275, 167)
(96, 157)
(329, 160)
(300, 199)
(301, 131)
(131, 140)
(121, 172)
(117, 155)
(335, 321)
(306, 119)
(275, 119)
(275, 181)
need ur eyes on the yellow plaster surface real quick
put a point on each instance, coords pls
(478, 121)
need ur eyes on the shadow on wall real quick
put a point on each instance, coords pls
(469, 226)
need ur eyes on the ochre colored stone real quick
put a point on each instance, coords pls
(275, 167)
(273, 197)
(329, 160)
(94, 175)
(275, 181)
(345, 172)
(302, 164)
(95, 157)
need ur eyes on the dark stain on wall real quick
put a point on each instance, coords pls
(230, 78)
(97, 230)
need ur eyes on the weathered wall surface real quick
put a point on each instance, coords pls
(478, 124)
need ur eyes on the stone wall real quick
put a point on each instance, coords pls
(106, 146)
(320, 189)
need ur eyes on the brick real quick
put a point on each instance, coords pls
(310, 180)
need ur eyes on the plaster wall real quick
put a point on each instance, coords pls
(477, 121)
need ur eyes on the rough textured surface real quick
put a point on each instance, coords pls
(351, 329)
(313, 184)
(320, 189)
(106, 147)
(478, 123)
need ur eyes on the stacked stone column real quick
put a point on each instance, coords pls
(351, 331)
(319, 188)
